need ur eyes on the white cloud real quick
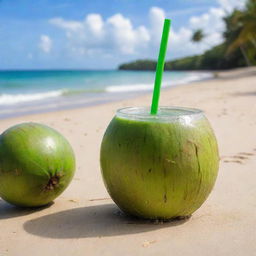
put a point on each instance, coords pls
(122, 33)
(69, 25)
(95, 35)
(45, 43)
(117, 35)
(212, 24)
(95, 24)
(156, 17)
(124, 36)
(229, 5)
(209, 21)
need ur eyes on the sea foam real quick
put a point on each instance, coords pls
(9, 99)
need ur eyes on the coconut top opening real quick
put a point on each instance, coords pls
(165, 114)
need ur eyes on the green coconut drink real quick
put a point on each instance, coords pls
(159, 166)
(36, 164)
(159, 163)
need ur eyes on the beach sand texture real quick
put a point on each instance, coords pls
(85, 221)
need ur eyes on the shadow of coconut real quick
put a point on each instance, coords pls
(8, 211)
(92, 221)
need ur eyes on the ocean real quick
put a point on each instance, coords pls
(24, 92)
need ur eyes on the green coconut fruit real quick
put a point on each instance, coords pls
(36, 164)
(159, 167)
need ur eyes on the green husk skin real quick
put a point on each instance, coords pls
(159, 170)
(36, 164)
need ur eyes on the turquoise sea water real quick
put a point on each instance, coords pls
(24, 92)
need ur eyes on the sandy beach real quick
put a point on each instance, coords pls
(85, 221)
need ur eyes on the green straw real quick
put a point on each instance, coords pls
(160, 66)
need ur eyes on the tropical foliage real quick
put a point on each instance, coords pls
(237, 50)
(198, 36)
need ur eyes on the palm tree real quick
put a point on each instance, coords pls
(241, 32)
(233, 29)
(198, 36)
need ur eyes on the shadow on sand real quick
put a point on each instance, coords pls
(93, 221)
(8, 211)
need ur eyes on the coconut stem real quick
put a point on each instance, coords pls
(53, 182)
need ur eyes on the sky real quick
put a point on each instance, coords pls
(100, 34)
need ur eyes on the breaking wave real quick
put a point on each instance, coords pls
(10, 99)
